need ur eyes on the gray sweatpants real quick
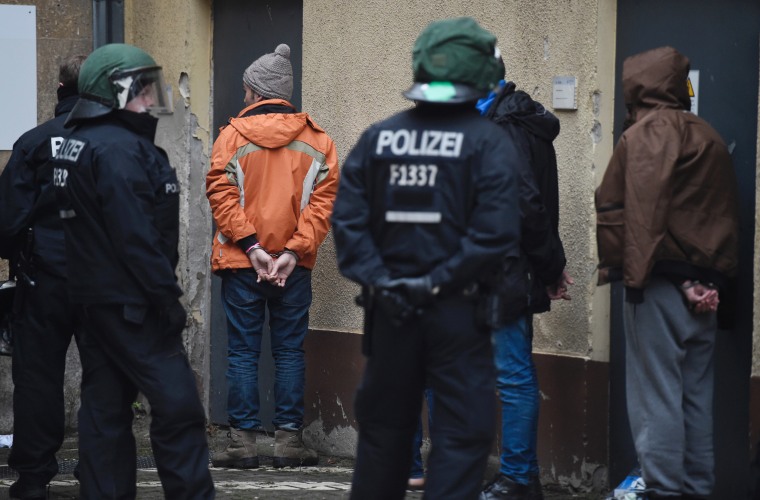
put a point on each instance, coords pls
(669, 384)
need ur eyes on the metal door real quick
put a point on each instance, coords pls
(721, 38)
(243, 31)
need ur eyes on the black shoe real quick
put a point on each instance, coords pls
(504, 488)
(535, 491)
(25, 490)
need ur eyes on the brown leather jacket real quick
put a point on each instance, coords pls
(668, 198)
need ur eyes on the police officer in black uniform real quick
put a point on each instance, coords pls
(426, 210)
(119, 199)
(31, 237)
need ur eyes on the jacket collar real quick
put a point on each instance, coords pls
(142, 124)
(65, 103)
(268, 106)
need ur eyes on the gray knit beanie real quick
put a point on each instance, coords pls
(271, 75)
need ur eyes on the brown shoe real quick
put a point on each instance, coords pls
(289, 450)
(240, 452)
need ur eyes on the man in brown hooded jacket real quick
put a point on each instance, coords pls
(667, 226)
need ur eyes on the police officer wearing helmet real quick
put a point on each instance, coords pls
(426, 209)
(119, 199)
(31, 237)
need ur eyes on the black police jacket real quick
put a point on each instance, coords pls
(26, 198)
(533, 129)
(429, 191)
(119, 200)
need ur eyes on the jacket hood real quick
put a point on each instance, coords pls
(516, 106)
(272, 123)
(656, 79)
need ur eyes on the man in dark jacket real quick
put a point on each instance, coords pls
(119, 199)
(538, 276)
(426, 209)
(31, 237)
(667, 225)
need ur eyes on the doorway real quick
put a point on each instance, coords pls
(721, 39)
(244, 30)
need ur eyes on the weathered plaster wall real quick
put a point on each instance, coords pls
(64, 29)
(357, 61)
(602, 102)
(177, 33)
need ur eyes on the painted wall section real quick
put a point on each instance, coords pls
(603, 107)
(178, 35)
(357, 61)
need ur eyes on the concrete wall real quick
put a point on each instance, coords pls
(353, 77)
(177, 33)
(63, 29)
(356, 63)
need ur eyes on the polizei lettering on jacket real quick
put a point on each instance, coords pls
(70, 150)
(55, 145)
(428, 143)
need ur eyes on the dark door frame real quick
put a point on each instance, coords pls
(721, 39)
(244, 30)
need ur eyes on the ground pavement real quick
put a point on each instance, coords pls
(330, 480)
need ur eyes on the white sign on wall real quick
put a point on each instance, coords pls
(563, 92)
(18, 84)
(693, 82)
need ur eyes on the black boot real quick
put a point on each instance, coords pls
(28, 490)
(504, 488)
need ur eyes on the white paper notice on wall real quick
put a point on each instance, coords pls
(693, 82)
(563, 92)
(18, 85)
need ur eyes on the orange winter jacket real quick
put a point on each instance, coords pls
(274, 174)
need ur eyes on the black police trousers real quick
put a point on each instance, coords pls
(124, 352)
(443, 349)
(43, 325)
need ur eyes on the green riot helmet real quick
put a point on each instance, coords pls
(454, 61)
(120, 76)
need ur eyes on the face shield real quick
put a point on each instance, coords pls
(142, 90)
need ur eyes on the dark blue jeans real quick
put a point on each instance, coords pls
(517, 384)
(245, 302)
(418, 468)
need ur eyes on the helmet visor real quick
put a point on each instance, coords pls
(143, 91)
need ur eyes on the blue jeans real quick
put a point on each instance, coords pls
(245, 302)
(517, 384)
(418, 469)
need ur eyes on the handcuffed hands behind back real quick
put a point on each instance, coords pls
(274, 270)
(700, 297)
